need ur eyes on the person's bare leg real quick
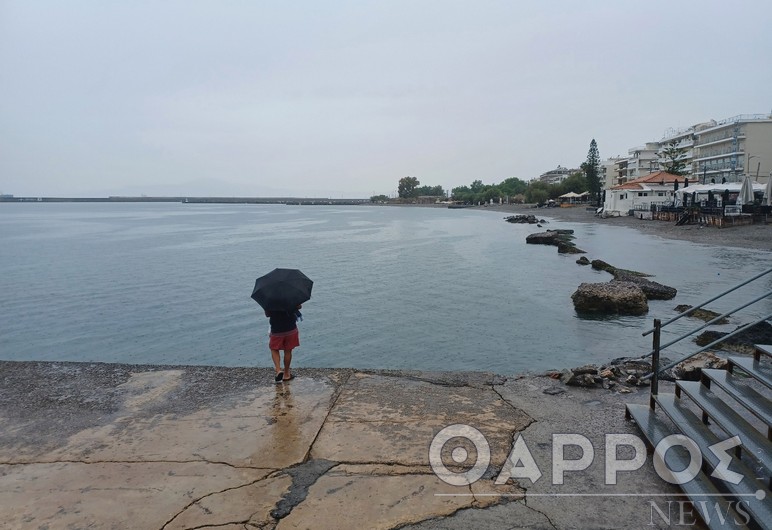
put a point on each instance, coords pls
(287, 362)
(276, 356)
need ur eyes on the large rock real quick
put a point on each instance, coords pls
(622, 298)
(558, 238)
(702, 314)
(743, 342)
(550, 237)
(653, 290)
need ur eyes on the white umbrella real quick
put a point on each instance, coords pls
(768, 192)
(746, 192)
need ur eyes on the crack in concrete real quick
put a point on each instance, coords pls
(199, 499)
(411, 467)
(333, 402)
(495, 379)
(303, 477)
(547, 517)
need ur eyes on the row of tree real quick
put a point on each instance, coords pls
(516, 190)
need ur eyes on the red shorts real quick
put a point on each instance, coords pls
(284, 341)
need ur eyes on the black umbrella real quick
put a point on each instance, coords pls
(282, 290)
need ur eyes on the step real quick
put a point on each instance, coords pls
(757, 370)
(754, 443)
(746, 396)
(655, 429)
(765, 349)
(747, 489)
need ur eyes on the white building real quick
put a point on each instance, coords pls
(609, 172)
(556, 176)
(642, 160)
(641, 193)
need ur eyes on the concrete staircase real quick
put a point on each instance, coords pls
(726, 407)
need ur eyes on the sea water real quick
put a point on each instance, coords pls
(394, 287)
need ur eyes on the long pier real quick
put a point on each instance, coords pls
(195, 200)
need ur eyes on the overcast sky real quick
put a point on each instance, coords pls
(343, 98)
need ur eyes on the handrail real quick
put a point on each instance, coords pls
(713, 321)
(693, 309)
(707, 347)
(657, 347)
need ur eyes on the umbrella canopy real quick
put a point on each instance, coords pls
(282, 290)
(768, 192)
(746, 192)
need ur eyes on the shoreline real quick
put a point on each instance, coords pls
(751, 237)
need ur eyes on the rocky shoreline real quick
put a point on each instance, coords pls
(628, 293)
(752, 237)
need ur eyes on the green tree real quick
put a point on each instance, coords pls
(477, 186)
(513, 186)
(407, 187)
(674, 159)
(576, 183)
(592, 171)
(490, 192)
(458, 191)
(379, 198)
(537, 196)
(434, 191)
(537, 192)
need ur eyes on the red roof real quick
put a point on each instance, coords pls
(659, 177)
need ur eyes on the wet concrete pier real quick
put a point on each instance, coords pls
(169, 447)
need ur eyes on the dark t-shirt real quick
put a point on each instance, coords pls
(282, 321)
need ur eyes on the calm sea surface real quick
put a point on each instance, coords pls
(402, 288)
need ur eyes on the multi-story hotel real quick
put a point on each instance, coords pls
(730, 148)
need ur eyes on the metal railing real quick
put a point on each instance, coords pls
(657, 346)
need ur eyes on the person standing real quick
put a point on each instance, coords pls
(284, 337)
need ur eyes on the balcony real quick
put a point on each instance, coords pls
(711, 154)
(726, 137)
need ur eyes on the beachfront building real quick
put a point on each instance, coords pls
(639, 161)
(609, 172)
(639, 194)
(620, 170)
(557, 175)
(737, 146)
(642, 160)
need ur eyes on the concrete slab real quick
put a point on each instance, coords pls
(110, 494)
(150, 447)
(394, 419)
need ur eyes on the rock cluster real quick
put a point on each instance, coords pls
(691, 369)
(625, 372)
(627, 294)
(617, 374)
(524, 219)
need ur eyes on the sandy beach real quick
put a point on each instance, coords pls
(757, 236)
